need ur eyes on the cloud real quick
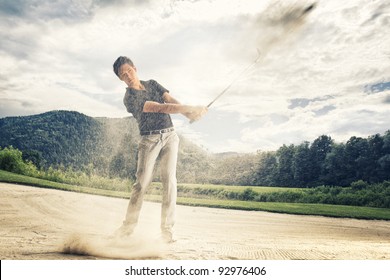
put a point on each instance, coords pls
(324, 110)
(12, 8)
(16, 107)
(329, 76)
(303, 102)
(377, 87)
(121, 3)
(37, 10)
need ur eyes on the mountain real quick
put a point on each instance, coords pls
(107, 145)
(55, 137)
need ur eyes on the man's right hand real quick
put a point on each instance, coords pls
(196, 113)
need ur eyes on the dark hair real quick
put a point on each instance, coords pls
(120, 61)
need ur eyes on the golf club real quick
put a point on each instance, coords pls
(288, 18)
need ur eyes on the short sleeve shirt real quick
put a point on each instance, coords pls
(134, 101)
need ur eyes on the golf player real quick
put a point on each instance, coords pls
(150, 104)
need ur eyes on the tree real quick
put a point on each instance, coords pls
(266, 169)
(284, 173)
(318, 151)
(384, 160)
(356, 159)
(33, 156)
(334, 167)
(374, 153)
(11, 160)
(117, 166)
(302, 165)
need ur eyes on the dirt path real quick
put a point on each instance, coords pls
(44, 224)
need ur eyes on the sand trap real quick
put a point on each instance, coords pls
(40, 223)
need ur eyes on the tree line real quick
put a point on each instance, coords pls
(322, 162)
(359, 193)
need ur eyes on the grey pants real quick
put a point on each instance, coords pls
(166, 146)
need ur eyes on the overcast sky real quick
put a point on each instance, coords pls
(329, 76)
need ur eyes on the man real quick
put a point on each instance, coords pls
(150, 104)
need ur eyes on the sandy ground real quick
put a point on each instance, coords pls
(47, 224)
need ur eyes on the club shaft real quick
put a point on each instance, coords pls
(235, 80)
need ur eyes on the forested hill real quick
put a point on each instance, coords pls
(67, 138)
(53, 138)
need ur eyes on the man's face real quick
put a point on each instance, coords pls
(128, 74)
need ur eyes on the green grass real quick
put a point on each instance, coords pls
(295, 208)
(257, 189)
(9, 177)
(277, 207)
(338, 211)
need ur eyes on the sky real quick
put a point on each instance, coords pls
(327, 75)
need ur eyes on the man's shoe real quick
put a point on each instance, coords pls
(167, 237)
(123, 232)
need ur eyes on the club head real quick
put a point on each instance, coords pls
(309, 8)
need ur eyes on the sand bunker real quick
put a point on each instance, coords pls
(38, 223)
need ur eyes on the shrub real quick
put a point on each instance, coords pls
(359, 185)
(248, 194)
(11, 160)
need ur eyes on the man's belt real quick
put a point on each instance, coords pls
(161, 131)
